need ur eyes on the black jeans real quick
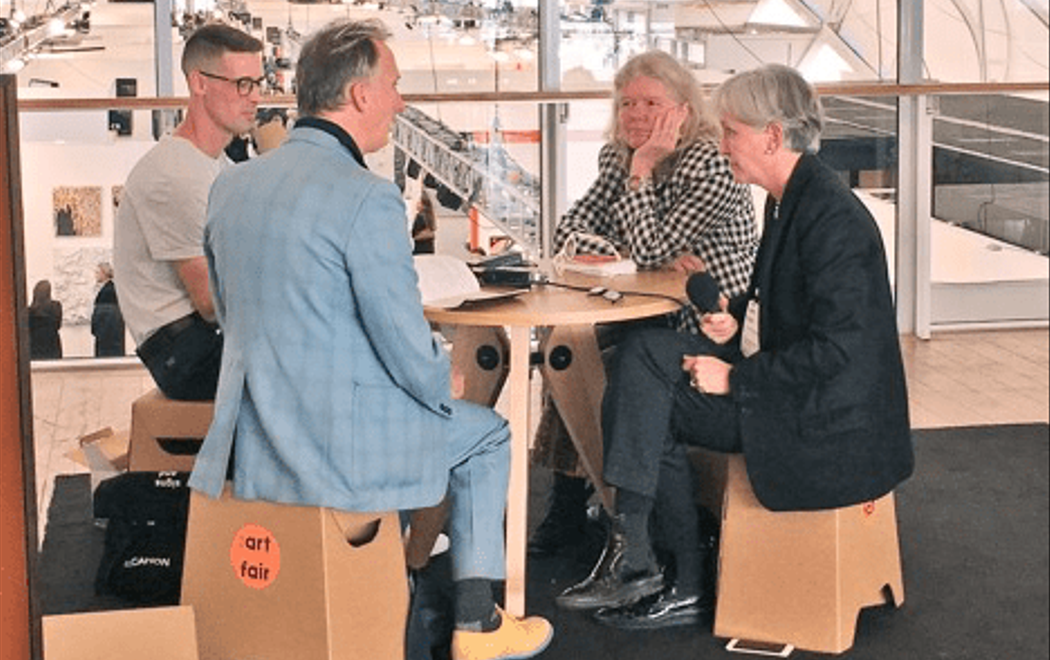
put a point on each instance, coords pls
(649, 407)
(650, 414)
(184, 358)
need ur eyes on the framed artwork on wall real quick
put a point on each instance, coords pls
(77, 211)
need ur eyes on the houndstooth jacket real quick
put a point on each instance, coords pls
(692, 206)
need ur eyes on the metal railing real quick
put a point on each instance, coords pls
(29, 38)
(485, 176)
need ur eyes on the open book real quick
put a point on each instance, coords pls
(448, 282)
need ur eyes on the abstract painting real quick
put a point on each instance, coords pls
(77, 210)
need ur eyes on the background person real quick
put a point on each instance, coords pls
(814, 396)
(666, 198)
(424, 225)
(269, 130)
(160, 270)
(107, 324)
(333, 387)
(45, 320)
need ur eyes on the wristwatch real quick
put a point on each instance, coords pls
(636, 183)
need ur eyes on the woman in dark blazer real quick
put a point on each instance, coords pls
(802, 374)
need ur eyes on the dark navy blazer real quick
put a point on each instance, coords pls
(823, 405)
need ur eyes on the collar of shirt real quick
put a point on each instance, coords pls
(336, 131)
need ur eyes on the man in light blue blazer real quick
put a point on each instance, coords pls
(333, 391)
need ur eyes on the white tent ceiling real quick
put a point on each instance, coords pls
(966, 40)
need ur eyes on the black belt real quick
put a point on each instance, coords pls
(166, 335)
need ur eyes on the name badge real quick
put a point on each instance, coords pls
(749, 340)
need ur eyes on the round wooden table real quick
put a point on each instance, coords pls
(571, 366)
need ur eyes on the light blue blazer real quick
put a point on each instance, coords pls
(332, 384)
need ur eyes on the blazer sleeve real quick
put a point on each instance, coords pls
(590, 213)
(385, 288)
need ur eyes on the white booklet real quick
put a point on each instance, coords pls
(448, 282)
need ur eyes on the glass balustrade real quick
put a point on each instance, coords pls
(481, 162)
(472, 133)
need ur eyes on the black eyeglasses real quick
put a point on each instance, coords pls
(244, 85)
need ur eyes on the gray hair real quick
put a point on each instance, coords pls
(680, 84)
(340, 53)
(774, 94)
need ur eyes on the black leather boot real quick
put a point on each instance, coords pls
(664, 610)
(612, 583)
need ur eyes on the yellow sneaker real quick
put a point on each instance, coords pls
(513, 640)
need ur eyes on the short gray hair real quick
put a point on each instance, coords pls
(680, 84)
(774, 94)
(340, 53)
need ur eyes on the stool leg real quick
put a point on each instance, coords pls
(870, 551)
(480, 354)
(573, 369)
(425, 526)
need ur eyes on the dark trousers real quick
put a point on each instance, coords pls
(184, 358)
(649, 406)
(650, 415)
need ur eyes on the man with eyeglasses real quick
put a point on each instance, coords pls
(160, 270)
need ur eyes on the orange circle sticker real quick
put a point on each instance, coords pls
(255, 556)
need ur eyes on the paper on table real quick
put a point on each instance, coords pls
(448, 282)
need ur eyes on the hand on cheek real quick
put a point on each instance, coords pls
(662, 140)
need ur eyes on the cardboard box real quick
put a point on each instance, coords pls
(801, 578)
(167, 434)
(274, 582)
(157, 633)
(104, 452)
(111, 445)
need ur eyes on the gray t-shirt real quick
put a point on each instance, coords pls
(160, 221)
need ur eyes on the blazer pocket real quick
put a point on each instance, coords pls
(838, 421)
(394, 438)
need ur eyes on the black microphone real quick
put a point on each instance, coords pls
(703, 292)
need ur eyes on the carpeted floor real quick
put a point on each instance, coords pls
(70, 554)
(974, 529)
(975, 542)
